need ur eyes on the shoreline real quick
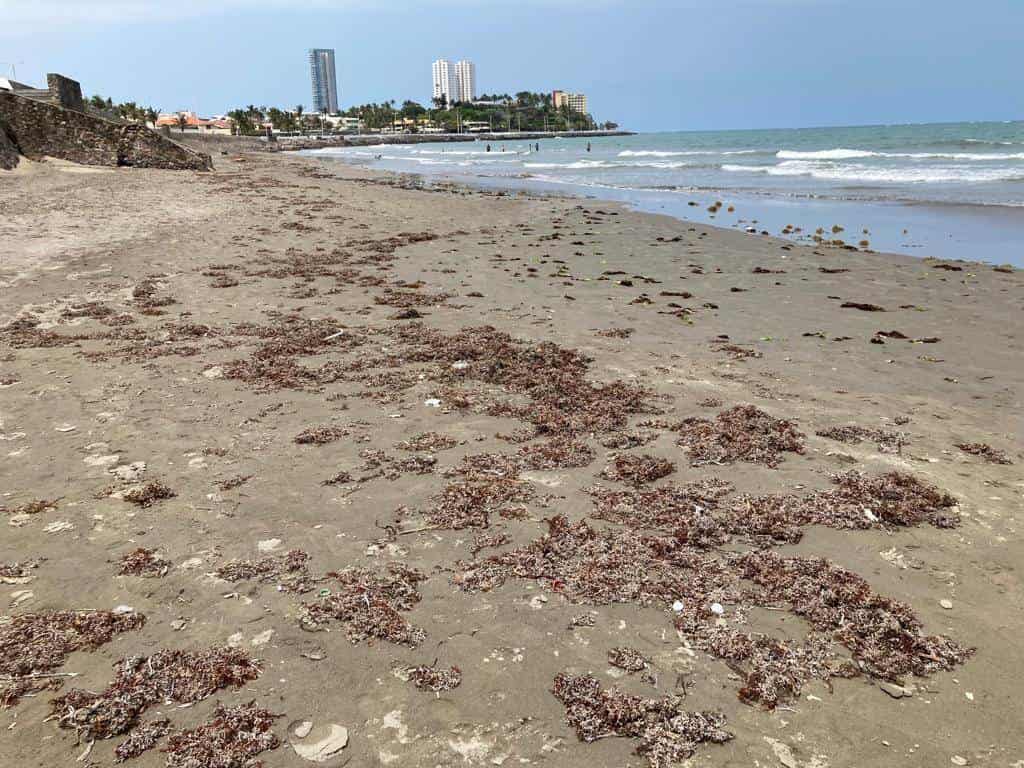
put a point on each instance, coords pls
(361, 140)
(682, 210)
(308, 356)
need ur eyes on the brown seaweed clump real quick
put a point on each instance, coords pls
(667, 734)
(321, 435)
(24, 333)
(896, 498)
(146, 294)
(773, 671)
(736, 352)
(143, 562)
(91, 309)
(378, 464)
(274, 364)
(887, 441)
(289, 571)
(616, 333)
(636, 470)
(599, 567)
(857, 502)
(183, 677)
(557, 454)
(142, 739)
(884, 636)
(985, 451)
(34, 507)
(148, 494)
(17, 573)
(553, 377)
(34, 644)
(741, 433)
(484, 541)
(684, 511)
(231, 483)
(628, 659)
(621, 441)
(407, 299)
(470, 503)
(430, 678)
(428, 442)
(232, 739)
(370, 605)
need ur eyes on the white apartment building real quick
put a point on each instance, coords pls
(577, 102)
(454, 82)
(446, 81)
(465, 71)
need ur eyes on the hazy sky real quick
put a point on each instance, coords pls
(648, 64)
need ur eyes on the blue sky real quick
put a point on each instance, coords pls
(648, 64)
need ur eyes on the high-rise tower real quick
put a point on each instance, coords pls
(465, 71)
(324, 79)
(445, 81)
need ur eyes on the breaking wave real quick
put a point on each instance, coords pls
(854, 154)
(864, 173)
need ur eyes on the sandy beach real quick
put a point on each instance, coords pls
(488, 479)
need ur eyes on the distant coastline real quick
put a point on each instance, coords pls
(318, 142)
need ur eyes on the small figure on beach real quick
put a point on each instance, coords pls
(488, 147)
(537, 146)
(588, 146)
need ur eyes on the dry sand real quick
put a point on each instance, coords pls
(149, 391)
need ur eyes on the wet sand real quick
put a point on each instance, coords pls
(243, 340)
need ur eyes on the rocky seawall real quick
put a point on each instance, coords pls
(36, 129)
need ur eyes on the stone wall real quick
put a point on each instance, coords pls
(44, 130)
(8, 152)
(219, 144)
(65, 92)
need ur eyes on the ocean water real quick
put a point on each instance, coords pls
(953, 190)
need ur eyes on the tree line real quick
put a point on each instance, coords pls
(128, 111)
(526, 111)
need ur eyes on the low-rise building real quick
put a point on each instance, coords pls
(577, 102)
(344, 124)
(192, 123)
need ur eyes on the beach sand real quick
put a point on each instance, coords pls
(234, 337)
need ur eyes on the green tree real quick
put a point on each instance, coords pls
(243, 120)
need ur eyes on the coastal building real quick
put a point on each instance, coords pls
(465, 72)
(190, 122)
(454, 82)
(342, 124)
(446, 81)
(577, 102)
(324, 80)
